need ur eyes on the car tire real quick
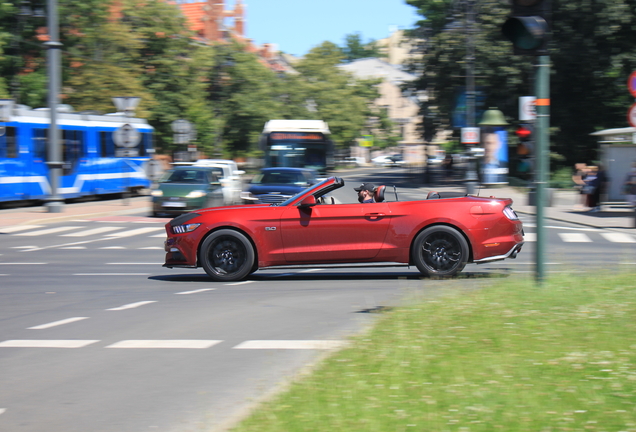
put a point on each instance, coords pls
(440, 251)
(227, 255)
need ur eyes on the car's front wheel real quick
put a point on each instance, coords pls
(227, 255)
(440, 251)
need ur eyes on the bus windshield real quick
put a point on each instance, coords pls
(299, 148)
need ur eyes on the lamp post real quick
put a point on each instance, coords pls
(54, 202)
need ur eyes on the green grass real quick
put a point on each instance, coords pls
(509, 356)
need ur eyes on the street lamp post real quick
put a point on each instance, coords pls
(54, 202)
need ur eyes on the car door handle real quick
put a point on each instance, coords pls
(374, 215)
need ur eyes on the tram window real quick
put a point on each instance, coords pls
(8, 144)
(106, 144)
(40, 140)
(72, 149)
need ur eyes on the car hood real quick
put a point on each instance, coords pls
(283, 189)
(180, 189)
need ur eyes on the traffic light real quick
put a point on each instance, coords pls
(529, 26)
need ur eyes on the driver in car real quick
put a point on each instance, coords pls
(365, 192)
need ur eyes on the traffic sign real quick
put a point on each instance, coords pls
(181, 126)
(470, 135)
(631, 84)
(126, 136)
(631, 116)
(527, 109)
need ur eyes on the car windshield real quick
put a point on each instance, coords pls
(280, 177)
(186, 176)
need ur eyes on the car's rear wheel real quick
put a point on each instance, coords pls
(227, 255)
(440, 251)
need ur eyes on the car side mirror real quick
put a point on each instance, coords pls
(308, 201)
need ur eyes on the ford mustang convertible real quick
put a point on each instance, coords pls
(439, 234)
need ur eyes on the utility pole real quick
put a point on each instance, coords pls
(542, 126)
(54, 202)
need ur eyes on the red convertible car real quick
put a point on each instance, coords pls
(439, 235)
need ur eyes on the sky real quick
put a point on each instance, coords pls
(296, 26)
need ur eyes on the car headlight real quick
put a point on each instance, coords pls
(157, 193)
(196, 194)
(185, 228)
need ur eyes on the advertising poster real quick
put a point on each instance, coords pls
(494, 165)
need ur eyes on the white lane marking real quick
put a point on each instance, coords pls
(183, 343)
(73, 247)
(49, 231)
(196, 291)
(93, 231)
(134, 232)
(24, 247)
(60, 343)
(150, 248)
(239, 283)
(2, 410)
(113, 247)
(132, 263)
(57, 323)
(619, 237)
(158, 236)
(132, 305)
(290, 344)
(530, 237)
(17, 228)
(574, 238)
(112, 274)
(20, 263)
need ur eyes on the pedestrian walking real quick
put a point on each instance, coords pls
(580, 173)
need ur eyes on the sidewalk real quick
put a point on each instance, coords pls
(38, 215)
(561, 209)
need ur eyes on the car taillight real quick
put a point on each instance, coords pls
(510, 213)
(185, 228)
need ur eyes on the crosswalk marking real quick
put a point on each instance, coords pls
(530, 237)
(619, 237)
(48, 343)
(132, 305)
(93, 231)
(57, 323)
(17, 228)
(181, 343)
(574, 238)
(176, 344)
(48, 231)
(136, 231)
(290, 344)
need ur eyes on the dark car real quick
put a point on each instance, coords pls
(186, 188)
(275, 185)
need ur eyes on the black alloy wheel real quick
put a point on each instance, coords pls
(440, 251)
(227, 255)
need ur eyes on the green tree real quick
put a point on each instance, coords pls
(592, 53)
(244, 95)
(354, 48)
(338, 98)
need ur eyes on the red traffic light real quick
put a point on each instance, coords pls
(523, 132)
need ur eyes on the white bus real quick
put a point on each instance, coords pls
(297, 143)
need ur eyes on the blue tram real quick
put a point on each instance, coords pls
(101, 154)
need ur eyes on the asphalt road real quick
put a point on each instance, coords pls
(96, 336)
